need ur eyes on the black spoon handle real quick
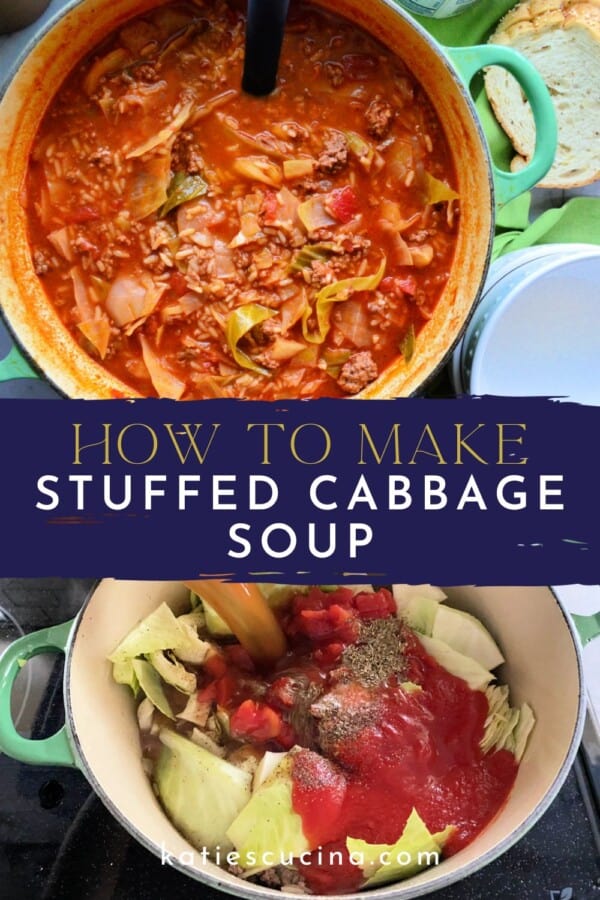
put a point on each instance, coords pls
(264, 36)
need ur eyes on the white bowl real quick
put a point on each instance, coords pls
(536, 331)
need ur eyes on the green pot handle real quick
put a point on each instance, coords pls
(588, 627)
(52, 751)
(14, 365)
(471, 60)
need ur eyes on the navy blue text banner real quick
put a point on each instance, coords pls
(483, 490)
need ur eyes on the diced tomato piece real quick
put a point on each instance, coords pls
(282, 692)
(327, 625)
(240, 658)
(377, 605)
(341, 597)
(208, 693)
(328, 654)
(342, 203)
(215, 665)
(270, 206)
(225, 688)
(312, 600)
(398, 286)
(286, 737)
(255, 721)
(178, 283)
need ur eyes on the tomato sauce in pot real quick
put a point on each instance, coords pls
(382, 726)
(199, 242)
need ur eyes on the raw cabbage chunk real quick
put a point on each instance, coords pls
(268, 823)
(416, 846)
(456, 663)
(158, 631)
(201, 792)
(465, 633)
(151, 685)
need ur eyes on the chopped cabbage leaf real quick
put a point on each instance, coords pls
(201, 793)
(151, 685)
(112, 62)
(268, 822)
(267, 765)
(149, 185)
(364, 152)
(456, 663)
(420, 614)
(239, 322)
(309, 253)
(465, 633)
(407, 347)
(196, 711)
(61, 241)
(85, 307)
(124, 673)
(172, 671)
(437, 191)
(194, 650)
(165, 134)
(313, 215)
(158, 631)
(402, 593)
(410, 687)
(97, 332)
(298, 168)
(264, 142)
(416, 849)
(523, 729)
(506, 728)
(259, 168)
(165, 383)
(181, 189)
(130, 298)
(335, 293)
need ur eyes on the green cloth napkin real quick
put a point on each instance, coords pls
(578, 221)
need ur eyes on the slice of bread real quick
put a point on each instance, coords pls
(562, 39)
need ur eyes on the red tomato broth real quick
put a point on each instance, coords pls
(417, 750)
(84, 191)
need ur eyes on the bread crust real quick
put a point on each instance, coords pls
(524, 28)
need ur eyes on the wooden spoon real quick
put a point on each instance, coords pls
(245, 610)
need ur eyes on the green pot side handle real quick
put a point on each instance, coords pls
(588, 627)
(14, 365)
(55, 750)
(471, 60)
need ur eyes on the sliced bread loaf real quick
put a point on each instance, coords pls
(562, 39)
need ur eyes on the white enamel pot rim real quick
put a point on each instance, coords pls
(74, 30)
(88, 687)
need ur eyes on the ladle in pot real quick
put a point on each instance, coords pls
(264, 36)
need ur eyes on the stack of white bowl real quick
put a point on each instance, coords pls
(536, 329)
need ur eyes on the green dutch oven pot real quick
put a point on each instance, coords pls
(444, 73)
(100, 735)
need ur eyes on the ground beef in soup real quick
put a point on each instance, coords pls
(199, 242)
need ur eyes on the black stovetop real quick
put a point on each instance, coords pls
(57, 841)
